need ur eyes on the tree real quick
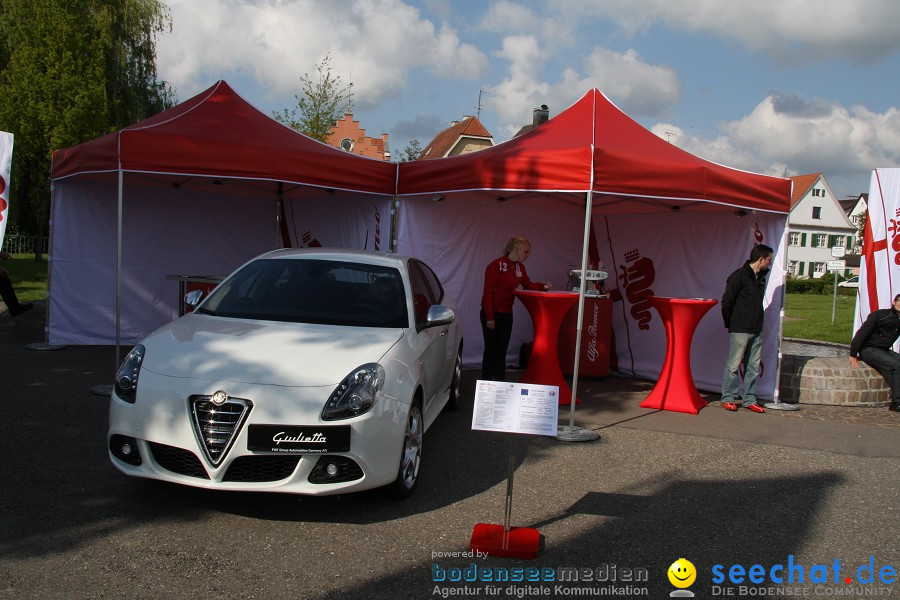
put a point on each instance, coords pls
(323, 102)
(71, 72)
(412, 151)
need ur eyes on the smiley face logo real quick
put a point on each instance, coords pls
(682, 573)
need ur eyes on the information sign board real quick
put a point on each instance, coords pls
(516, 407)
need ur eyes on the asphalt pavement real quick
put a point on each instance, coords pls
(814, 491)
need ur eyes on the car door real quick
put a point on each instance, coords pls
(431, 341)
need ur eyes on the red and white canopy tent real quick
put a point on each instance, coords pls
(667, 222)
(195, 190)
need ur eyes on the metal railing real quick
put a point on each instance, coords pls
(25, 244)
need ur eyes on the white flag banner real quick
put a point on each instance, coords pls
(6, 148)
(879, 277)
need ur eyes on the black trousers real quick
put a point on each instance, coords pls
(496, 342)
(7, 293)
(886, 362)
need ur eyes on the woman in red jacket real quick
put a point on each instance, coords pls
(501, 277)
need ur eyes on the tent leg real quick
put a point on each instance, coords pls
(571, 433)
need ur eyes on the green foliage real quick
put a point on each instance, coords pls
(412, 151)
(323, 102)
(70, 72)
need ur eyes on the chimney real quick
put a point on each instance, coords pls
(541, 115)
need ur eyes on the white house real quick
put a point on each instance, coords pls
(817, 223)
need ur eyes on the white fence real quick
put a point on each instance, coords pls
(25, 244)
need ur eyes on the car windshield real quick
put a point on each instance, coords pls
(312, 291)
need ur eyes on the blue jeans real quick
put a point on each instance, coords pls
(746, 348)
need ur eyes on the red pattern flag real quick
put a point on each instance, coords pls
(879, 277)
(6, 148)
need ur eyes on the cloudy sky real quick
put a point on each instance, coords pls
(772, 86)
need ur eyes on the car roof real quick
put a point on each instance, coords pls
(338, 254)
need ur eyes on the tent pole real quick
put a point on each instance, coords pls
(777, 404)
(119, 269)
(105, 389)
(571, 433)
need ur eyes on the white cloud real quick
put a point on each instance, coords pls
(636, 86)
(863, 31)
(788, 133)
(373, 43)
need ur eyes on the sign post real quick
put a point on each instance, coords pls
(514, 408)
(836, 266)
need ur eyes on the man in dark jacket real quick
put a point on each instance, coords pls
(742, 311)
(873, 342)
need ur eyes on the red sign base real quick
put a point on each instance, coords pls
(518, 542)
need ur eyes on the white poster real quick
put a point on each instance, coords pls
(879, 276)
(6, 148)
(516, 407)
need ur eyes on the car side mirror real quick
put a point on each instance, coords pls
(439, 315)
(193, 297)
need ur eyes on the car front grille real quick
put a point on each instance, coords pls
(177, 460)
(261, 468)
(217, 424)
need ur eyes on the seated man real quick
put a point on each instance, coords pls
(873, 342)
(8, 293)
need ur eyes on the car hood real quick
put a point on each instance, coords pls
(263, 352)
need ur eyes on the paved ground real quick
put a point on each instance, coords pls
(807, 488)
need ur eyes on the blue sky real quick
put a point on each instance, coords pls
(771, 86)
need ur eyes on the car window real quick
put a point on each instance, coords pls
(422, 294)
(312, 291)
(430, 279)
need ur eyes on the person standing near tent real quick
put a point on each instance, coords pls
(742, 311)
(501, 277)
(8, 294)
(872, 343)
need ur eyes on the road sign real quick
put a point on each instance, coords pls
(838, 251)
(837, 265)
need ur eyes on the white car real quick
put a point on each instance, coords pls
(308, 371)
(852, 282)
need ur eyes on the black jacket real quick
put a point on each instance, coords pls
(880, 330)
(742, 303)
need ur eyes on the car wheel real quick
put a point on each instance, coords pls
(455, 398)
(411, 454)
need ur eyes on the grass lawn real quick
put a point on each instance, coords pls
(807, 316)
(29, 278)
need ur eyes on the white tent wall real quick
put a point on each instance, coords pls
(197, 229)
(459, 237)
(340, 221)
(166, 231)
(691, 254)
(686, 255)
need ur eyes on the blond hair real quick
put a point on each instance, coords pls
(514, 242)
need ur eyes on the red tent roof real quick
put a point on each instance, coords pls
(595, 146)
(217, 133)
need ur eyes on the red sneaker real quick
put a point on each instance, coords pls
(756, 408)
(729, 406)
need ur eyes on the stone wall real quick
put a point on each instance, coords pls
(831, 380)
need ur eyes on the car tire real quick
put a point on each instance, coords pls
(455, 398)
(410, 454)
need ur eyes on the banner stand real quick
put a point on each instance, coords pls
(503, 540)
(513, 408)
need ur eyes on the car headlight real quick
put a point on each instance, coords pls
(356, 394)
(127, 375)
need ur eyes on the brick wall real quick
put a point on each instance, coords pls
(831, 380)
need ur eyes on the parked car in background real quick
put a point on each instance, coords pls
(852, 282)
(308, 371)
